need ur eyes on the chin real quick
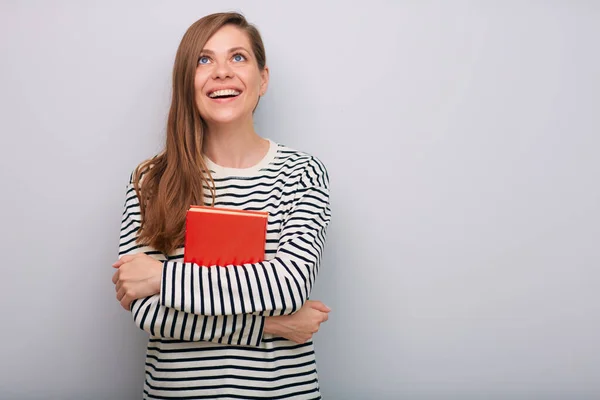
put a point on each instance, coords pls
(226, 118)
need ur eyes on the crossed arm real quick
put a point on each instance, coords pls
(235, 304)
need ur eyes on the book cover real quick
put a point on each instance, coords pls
(224, 236)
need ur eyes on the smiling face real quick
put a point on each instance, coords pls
(228, 80)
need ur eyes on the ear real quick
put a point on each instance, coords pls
(264, 81)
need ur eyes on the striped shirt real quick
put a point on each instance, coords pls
(206, 324)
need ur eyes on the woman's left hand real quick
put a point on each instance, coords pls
(137, 276)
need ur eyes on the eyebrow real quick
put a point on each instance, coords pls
(207, 51)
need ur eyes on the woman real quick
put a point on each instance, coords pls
(236, 331)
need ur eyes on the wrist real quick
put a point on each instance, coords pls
(272, 326)
(269, 328)
(158, 276)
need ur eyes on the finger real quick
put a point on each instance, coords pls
(304, 339)
(317, 305)
(126, 302)
(121, 294)
(325, 317)
(123, 260)
(115, 277)
(118, 286)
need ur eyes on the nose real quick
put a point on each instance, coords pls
(222, 70)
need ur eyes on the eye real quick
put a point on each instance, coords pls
(239, 57)
(203, 60)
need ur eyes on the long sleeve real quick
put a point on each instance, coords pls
(160, 321)
(279, 286)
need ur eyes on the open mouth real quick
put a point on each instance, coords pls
(224, 94)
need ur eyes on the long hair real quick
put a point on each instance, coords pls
(178, 176)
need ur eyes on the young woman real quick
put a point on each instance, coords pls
(235, 331)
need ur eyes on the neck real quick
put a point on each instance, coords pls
(234, 146)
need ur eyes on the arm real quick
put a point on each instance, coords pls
(170, 323)
(276, 287)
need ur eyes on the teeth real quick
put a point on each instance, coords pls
(224, 92)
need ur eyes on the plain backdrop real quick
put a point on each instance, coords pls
(462, 143)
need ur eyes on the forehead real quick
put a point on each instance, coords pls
(227, 37)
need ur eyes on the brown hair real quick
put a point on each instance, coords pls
(177, 177)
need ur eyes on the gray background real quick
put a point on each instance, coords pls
(461, 140)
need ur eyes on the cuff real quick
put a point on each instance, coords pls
(261, 329)
(167, 294)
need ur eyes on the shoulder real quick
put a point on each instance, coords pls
(310, 169)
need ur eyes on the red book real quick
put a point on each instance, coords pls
(224, 236)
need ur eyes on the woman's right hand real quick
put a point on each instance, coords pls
(300, 326)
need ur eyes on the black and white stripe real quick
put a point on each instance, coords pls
(206, 325)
